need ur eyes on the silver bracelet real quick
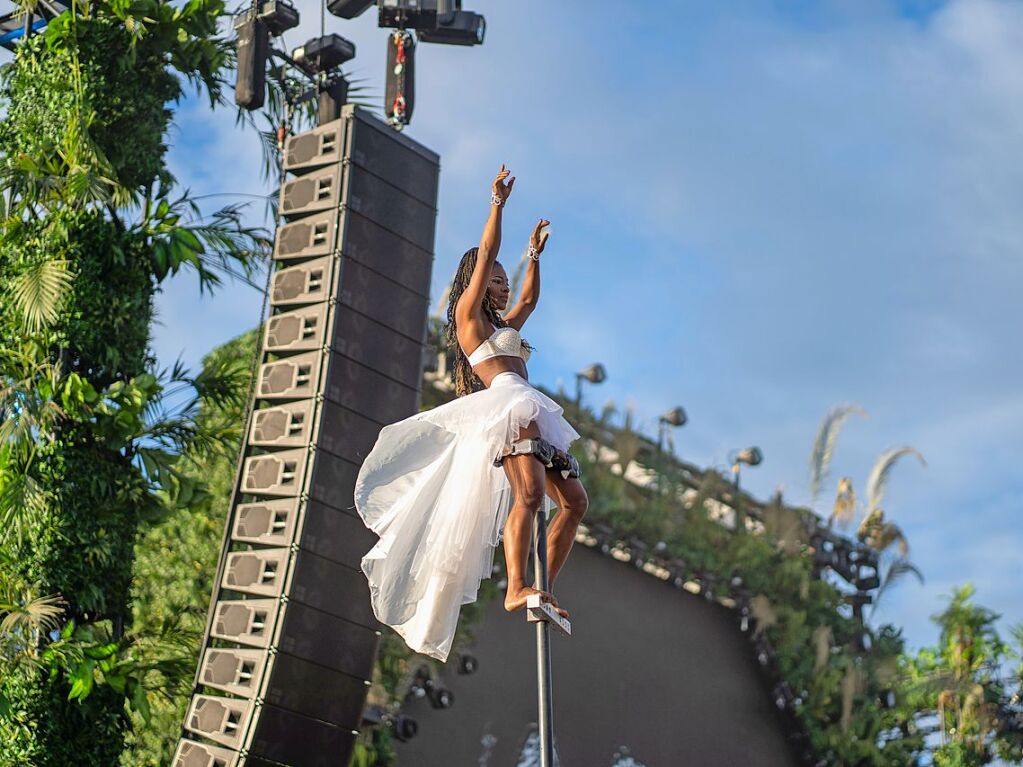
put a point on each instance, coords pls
(495, 199)
(532, 253)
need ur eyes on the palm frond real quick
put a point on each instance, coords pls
(824, 446)
(40, 614)
(22, 502)
(38, 293)
(878, 480)
(896, 571)
(879, 534)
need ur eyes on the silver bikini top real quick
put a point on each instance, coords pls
(505, 341)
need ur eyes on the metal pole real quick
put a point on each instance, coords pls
(543, 639)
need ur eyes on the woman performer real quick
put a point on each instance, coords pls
(438, 486)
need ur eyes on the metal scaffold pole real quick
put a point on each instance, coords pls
(544, 615)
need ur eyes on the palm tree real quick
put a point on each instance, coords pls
(874, 530)
(91, 434)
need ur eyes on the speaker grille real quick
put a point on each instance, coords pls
(310, 236)
(259, 572)
(319, 190)
(302, 284)
(232, 670)
(270, 523)
(320, 146)
(244, 621)
(220, 719)
(292, 378)
(298, 330)
(192, 754)
(274, 473)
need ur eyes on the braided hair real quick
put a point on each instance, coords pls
(463, 377)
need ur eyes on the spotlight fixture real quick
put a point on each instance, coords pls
(405, 728)
(408, 14)
(673, 418)
(467, 664)
(751, 456)
(595, 374)
(348, 9)
(278, 15)
(455, 26)
(322, 54)
(440, 697)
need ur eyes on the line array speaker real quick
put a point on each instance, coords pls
(290, 636)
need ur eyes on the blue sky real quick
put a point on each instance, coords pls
(760, 210)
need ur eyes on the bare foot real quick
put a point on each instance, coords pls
(515, 599)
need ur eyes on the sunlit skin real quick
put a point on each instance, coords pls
(527, 476)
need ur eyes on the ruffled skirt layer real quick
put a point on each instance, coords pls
(430, 490)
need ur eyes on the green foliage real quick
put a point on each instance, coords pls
(92, 443)
(962, 680)
(176, 558)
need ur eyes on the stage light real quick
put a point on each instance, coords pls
(278, 15)
(348, 9)
(467, 664)
(750, 456)
(322, 54)
(440, 697)
(408, 14)
(405, 728)
(595, 374)
(674, 417)
(455, 26)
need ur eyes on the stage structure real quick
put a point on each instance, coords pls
(290, 636)
(653, 675)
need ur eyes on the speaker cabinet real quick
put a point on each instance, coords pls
(269, 523)
(295, 377)
(223, 720)
(232, 670)
(296, 331)
(313, 235)
(315, 148)
(306, 283)
(192, 754)
(291, 635)
(316, 191)
(246, 622)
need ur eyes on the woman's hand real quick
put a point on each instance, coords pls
(538, 238)
(501, 189)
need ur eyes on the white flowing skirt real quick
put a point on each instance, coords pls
(430, 490)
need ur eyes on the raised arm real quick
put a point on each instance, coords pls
(530, 293)
(469, 305)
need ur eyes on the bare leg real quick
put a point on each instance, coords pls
(570, 497)
(526, 475)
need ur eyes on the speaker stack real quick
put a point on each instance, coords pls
(291, 637)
